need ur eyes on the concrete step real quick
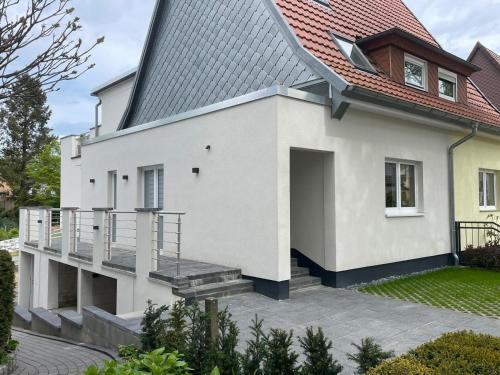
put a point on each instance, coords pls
(299, 271)
(294, 262)
(214, 277)
(304, 282)
(220, 289)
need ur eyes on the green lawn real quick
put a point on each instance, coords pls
(468, 290)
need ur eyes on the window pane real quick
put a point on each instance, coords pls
(160, 189)
(407, 185)
(481, 189)
(390, 185)
(414, 74)
(490, 189)
(149, 189)
(446, 87)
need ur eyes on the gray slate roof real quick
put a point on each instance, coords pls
(203, 52)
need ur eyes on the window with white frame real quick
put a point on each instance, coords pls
(401, 187)
(153, 187)
(487, 190)
(447, 85)
(415, 72)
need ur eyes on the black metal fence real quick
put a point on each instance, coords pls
(475, 234)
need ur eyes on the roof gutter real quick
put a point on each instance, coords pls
(451, 188)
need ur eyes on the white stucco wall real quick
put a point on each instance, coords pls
(231, 205)
(71, 183)
(114, 102)
(361, 142)
(238, 207)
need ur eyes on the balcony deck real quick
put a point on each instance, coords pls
(124, 259)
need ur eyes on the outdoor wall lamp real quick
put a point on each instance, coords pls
(125, 177)
(196, 170)
(208, 147)
(92, 180)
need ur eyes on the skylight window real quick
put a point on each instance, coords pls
(352, 52)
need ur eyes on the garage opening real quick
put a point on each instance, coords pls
(63, 286)
(99, 291)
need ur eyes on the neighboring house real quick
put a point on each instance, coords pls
(477, 163)
(6, 197)
(318, 126)
(488, 78)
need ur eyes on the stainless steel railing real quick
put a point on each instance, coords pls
(167, 240)
(121, 234)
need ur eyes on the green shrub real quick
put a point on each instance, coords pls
(198, 343)
(279, 358)
(251, 361)
(369, 355)
(401, 366)
(223, 353)
(317, 348)
(153, 327)
(128, 352)
(461, 353)
(485, 257)
(7, 295)
(175, 335)
(155, 363)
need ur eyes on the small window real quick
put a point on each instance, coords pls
(352, 52)
(400, 187)
(153, 187)
(415, 72)
(447, 85)
(487, 190)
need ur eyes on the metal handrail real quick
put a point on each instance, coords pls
(159, 241)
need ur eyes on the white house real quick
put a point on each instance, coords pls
(260, 145)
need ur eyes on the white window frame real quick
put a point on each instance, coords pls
(368, 66)
(485, 207)
(448, 76)
(155, 169)
(398, 210)
(423, 64)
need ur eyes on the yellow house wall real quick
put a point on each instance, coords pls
(478, 153)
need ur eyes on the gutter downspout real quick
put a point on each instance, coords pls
(96, 124)
(451, 188)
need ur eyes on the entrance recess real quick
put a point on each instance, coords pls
(312, 205)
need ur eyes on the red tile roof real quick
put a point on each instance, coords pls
(313, 23)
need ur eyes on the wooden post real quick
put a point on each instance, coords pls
(212, 310)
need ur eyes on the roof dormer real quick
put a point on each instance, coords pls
(418, 64)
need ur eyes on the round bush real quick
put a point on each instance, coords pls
(401, 366)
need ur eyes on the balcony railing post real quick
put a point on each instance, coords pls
(42, 225)
(48, 228)
(145, 241)
(101, 250)
(179, 239)
(66, 223)
(23, 225)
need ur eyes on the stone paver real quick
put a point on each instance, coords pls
(347, 316)
(40, 355)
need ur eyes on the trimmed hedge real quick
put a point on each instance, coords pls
(401, 366)
(7, 294)
(486, 257)
(453, 353)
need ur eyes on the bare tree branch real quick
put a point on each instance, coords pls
(40, 40)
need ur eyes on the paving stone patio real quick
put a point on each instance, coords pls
(43, 356)
(347, 316)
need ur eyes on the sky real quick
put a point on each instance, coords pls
(456, 24)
